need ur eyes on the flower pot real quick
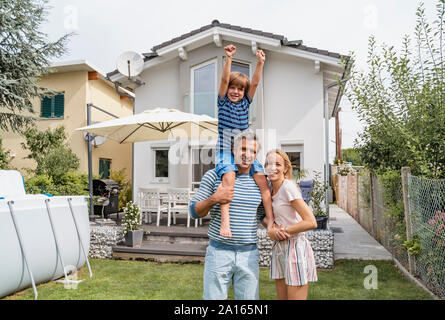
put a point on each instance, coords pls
(133, 238)
(322, 222)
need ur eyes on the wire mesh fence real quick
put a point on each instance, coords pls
(388, 214)
(384, 202)
(427, 213)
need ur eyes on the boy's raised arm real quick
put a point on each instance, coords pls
(261, 57)
(230, 51)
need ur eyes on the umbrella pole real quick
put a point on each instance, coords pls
(90, 163)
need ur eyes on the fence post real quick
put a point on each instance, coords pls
(374, 231)
(405, 172)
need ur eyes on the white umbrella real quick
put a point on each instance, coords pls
(156, 124)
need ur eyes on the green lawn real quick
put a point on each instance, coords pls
(118, 279)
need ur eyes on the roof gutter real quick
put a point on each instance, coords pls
(344, 79)
(122, 94)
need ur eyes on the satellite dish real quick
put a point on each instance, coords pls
(130, 64)
(98, 140)
(95, 140)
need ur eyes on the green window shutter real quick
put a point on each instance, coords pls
(46, 107)
(59, 101)
(104, 168)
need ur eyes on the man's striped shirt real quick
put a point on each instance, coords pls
(233, 117)
(244, 213)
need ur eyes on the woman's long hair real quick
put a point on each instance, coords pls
(287, 163)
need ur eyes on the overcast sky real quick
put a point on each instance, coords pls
(105, 28)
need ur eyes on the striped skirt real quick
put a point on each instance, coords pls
(293, 260)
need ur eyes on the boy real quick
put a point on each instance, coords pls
(234, 98)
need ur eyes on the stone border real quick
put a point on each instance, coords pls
(322, 243)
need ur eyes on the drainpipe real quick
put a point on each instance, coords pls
(326, 138)
(90, 163)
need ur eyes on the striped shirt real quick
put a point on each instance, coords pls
(233, 117)
(244, 208)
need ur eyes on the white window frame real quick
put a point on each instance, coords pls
(236, 61)
(199, 147)
(192, 84)
(159, 179)
(295, 147)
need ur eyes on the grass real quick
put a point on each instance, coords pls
(140, 280)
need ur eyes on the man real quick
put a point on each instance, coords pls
(232, 260)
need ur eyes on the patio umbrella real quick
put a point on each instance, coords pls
(156, 124)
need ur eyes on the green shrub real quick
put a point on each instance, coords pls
(71, 183)
(57, 162)
(318, 195)
(126, 194)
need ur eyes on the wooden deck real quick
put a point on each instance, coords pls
(176, 243)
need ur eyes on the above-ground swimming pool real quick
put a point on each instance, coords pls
(41, 238)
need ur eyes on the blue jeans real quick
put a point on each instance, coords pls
(226, 264)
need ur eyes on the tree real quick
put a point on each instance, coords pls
(53, 157)
(400, 101)
(351, 155)
(25, 54)
(4, 156)
(40, 143)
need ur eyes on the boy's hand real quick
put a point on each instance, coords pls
(260, 56)
(230, 50)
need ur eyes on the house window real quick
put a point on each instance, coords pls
(203, 159)
(241, 67)
(204, 89)
(104, 168)
(161, 165)
(294, 158)
(295, 153)
(53, 107)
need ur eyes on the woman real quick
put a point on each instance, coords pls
(293, 264)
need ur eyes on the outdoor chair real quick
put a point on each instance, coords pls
(178, 202)
(306, 188)
(150, 201)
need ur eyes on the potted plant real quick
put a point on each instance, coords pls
(131, 221)
(318, 196)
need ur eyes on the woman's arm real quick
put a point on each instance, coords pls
(309, 222)
(224, 85)
(261, 57)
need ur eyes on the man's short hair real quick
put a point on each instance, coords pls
(245, 135)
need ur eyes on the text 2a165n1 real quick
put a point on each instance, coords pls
(243, 309)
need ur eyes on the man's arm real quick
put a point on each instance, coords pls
(222, 195)
(205, 199)
(261, 57)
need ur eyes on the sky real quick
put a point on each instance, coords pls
(106, 28)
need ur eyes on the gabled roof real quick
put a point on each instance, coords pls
(216, 32)
(283, 39)
(216, 24)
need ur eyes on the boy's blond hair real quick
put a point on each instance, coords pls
(287, 162)
(240, 80)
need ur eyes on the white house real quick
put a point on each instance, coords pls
(288, 106)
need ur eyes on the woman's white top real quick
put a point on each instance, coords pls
(284, 213)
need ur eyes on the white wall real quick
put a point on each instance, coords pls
(161, 90)
(293, 98)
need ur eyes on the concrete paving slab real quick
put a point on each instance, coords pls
(354, 242)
